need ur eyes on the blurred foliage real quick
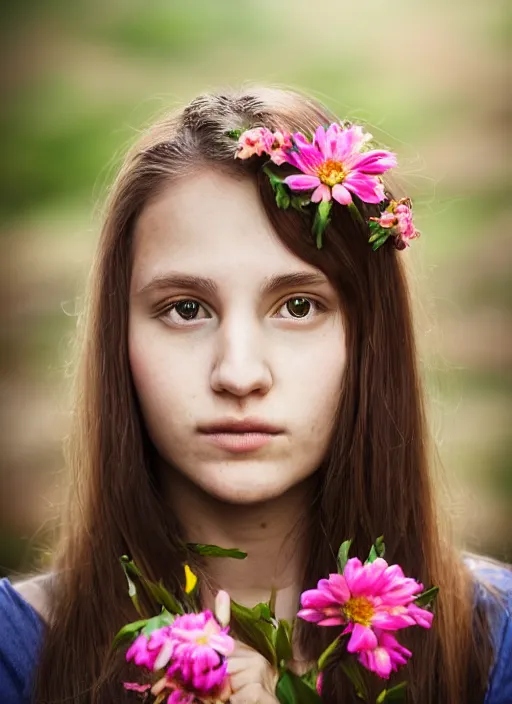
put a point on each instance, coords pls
(81, 79)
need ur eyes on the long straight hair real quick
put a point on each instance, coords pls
(374, 479)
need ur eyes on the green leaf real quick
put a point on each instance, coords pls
(283, 643)
(395, 694)
(353, 672)
(291, 689)
(257, 632)
(131, 570)
(163, 597)
(275, 179)
(426, 597)
(355, 213)
(215, 551)
(282, 197)
(128, 631)
(300, 201)
(378, 232)
(321, 220)
(324, 657)
(251, 613)
(380, 546)
(163, 619)
(234, 134)
(378, 243)
(343, 555)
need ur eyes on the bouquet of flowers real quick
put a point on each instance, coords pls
(182, 652)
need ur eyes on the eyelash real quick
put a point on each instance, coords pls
(319, 306)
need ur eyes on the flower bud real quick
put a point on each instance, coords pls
(223, 607)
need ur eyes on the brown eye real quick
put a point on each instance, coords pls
(187, 309)
(298, 307)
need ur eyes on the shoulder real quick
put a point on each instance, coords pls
(21, 633)
(493, 591)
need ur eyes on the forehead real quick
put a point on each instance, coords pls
(209, 224)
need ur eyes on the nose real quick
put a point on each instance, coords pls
(240, 367)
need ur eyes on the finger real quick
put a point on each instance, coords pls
(237, 664)
(253, 694)
(254, 674)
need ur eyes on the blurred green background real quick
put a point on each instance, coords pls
(81, 79)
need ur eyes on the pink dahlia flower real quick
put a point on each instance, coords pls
(365, 598)
(335, 167)
(398, 218)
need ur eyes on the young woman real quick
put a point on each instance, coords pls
(238, 385)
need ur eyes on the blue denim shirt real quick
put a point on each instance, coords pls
(21, 633)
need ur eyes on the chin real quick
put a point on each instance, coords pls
(247, 490)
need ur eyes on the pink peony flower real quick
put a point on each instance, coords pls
(141, 653)
(193, 650)
(334, 166)
(366, 598)
(398, 218)
(386, 657)
(200, 650)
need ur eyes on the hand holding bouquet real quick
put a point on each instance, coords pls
(189, 656)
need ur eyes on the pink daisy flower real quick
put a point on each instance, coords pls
(333, 165)
(365, 598)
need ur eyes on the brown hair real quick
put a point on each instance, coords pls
(374, 480)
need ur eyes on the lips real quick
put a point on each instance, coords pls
(245, 425)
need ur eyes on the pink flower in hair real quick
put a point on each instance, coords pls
(280, 146)
(333, 165)
(261, 140)
(369, 600)
(398, 218)
(255, 141)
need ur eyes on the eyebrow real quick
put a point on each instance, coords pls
(208, 286)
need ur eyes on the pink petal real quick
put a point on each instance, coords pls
(323, 192)
(368, 188)
(311, 615)
(320, 598)
(302, 182)
(338, 587)
(332, 621)
(374, 162)
(362, 638)
(341, 194)
(381, 663)
(348, 142)
(323, 143)
(352, 570)
(422, 617)
(391, 621)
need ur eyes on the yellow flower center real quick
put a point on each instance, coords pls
(359, 610)
(331, 172)
(202, 640)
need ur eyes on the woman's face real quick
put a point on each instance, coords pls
(228, 325)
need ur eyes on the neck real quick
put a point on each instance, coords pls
(272, 533)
